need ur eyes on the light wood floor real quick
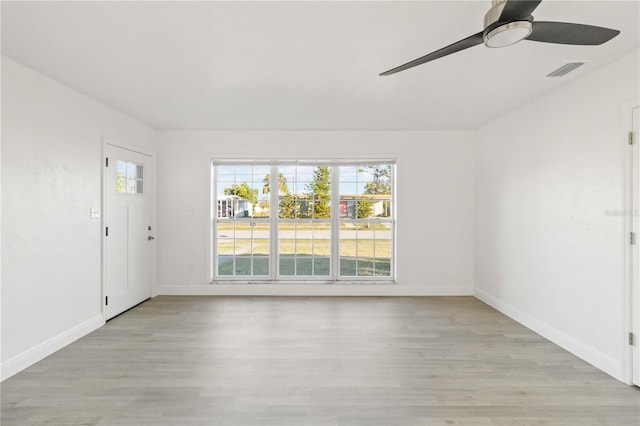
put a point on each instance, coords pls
(315, 361)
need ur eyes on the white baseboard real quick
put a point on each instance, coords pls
(576, 347)
(312, 290)
(43, 350)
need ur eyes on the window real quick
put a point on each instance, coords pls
(332, 220)
(304, 220)
(242, 220)
(129, 178)
(366, 224)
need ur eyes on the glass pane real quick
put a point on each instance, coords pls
(121, 168)
(139, 171)
(383, 251)
(131, 170)
(243, 265)
(321, 207)
(303, 265)
(348, 174)
(225, 172)
(120, 185)
(383, 268)
(225, 229)
(348, 257)
(242, 191)
(139, 187)
(288, 207)
(322, 266)
(322, 248)
(365, 267)
(383, 244)
(304, 241)
(224, 247)
(287, 246)
(225, 265)
(131, 186)
(386, 207)
(260, 265)
(262, 208)
(287, 265)
(261, 247)
(304, 207)
(367, 191)
(348, 266)
(366, 256)
(364, 207)
(322, 245)
(242, 245)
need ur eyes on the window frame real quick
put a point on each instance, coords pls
(274, 220)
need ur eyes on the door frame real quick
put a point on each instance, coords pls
(631, 223)
(150, 187)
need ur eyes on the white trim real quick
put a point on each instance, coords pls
(289, 289)
(293, 158)
(43, 350)
(576, 347)
(274, 220)
(630, 178)
(132, 148)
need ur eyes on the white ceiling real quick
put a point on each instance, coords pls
(300, 65)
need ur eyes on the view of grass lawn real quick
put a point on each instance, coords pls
(304, 249)
(305, 265)
(348, 248)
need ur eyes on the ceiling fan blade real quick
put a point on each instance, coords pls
(515, 10)
(568, 33)
(466, 43)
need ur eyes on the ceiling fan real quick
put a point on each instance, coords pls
(510, 21)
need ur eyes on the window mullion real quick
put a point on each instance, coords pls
(213, 235)
(335, 223)
(274, 213)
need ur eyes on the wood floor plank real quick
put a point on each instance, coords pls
(322, 361)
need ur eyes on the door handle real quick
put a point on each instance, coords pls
(151, 238)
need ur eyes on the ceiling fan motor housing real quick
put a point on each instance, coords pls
(501, 34)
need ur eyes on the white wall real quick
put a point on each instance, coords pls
(51, 176)
(546, 251)
(435, 205)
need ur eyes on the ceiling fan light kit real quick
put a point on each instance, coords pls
(508, 34)
(510, 21)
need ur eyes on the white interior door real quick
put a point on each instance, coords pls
(128, 234)
(636, 248)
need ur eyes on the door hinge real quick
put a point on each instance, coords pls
(631, 140)
(106, 300)
(106, 231)
(631, 339)
(632, 238)
(106, 164)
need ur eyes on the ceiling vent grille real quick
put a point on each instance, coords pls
(565, 69)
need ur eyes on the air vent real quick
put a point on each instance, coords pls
(565, 69)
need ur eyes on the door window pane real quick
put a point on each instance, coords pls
(129, 178)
